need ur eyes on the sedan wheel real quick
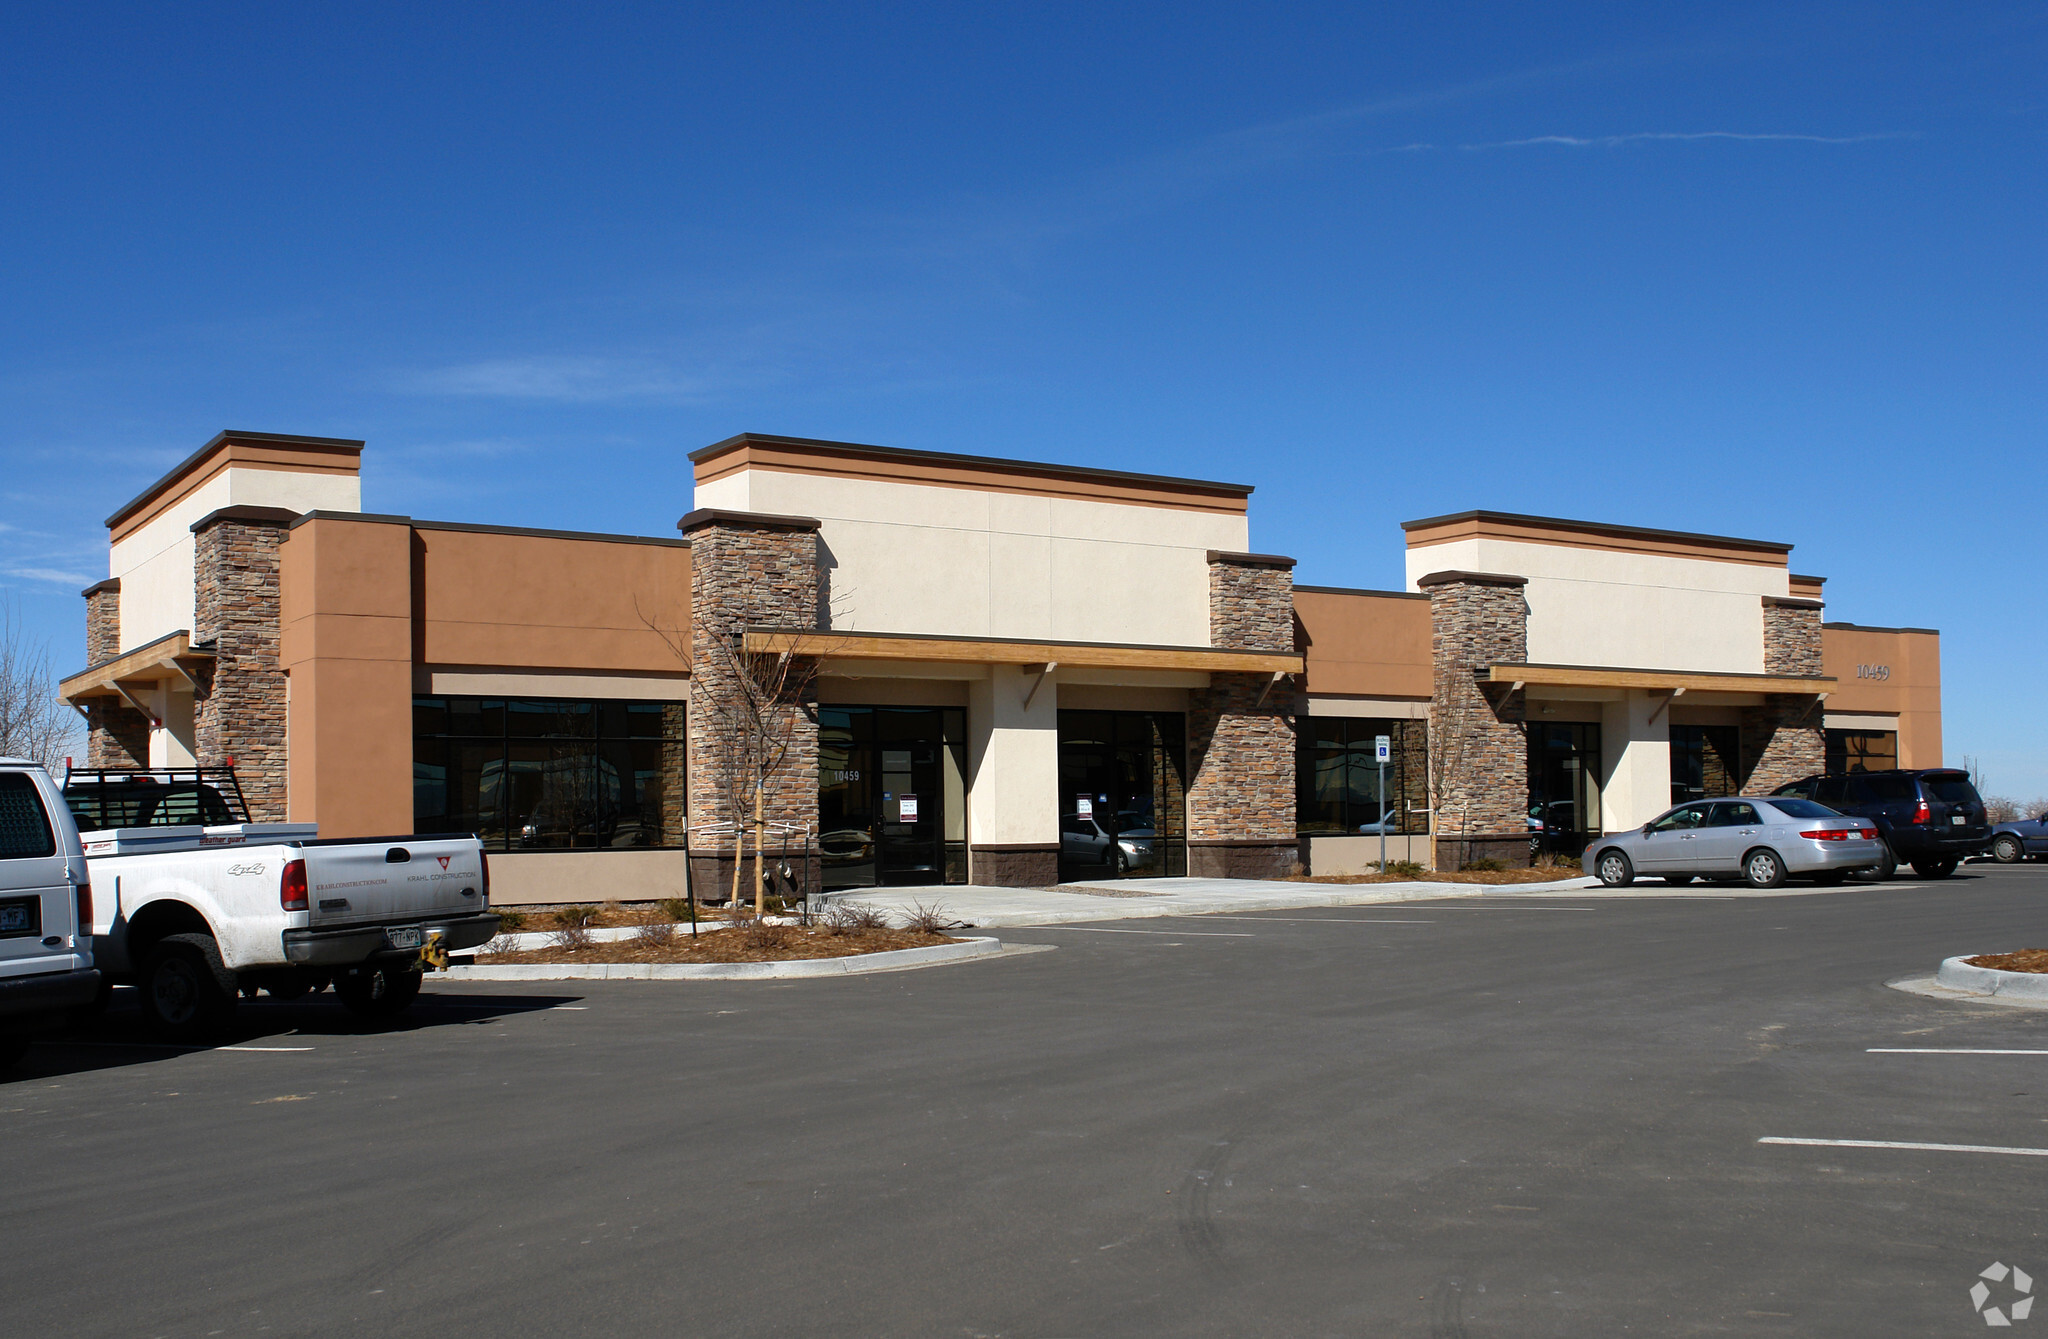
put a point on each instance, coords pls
(1762, 869)
(1614, 869)
(2009, 850)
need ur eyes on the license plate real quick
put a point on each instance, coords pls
(403, 938)
(21, 916)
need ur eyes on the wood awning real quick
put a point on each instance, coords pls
(170, 657)
(1594, 676)
(977, 651)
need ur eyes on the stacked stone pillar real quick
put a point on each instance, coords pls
(1241, 743)
(238, 709)
(117, 735)
(1785, 740)
(747, 570)
(1478, 741)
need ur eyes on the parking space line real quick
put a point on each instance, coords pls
(1317, 920)
(262, 1048)
(1910, 1147)
(1177, 934)
(1945, 1050)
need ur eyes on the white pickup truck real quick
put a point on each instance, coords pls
(194, 904)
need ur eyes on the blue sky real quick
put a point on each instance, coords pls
(1766, 270)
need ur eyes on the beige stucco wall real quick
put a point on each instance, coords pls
(528, 878)
(1358, 855)
(154, 562)
(1013, 763)
(963, 562)
(1596, 606)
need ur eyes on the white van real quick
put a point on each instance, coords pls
(46, 966)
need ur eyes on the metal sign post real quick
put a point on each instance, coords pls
(1382, 748)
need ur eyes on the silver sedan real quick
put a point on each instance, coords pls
(1762, 840)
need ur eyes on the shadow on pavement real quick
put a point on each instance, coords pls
(117, 1038)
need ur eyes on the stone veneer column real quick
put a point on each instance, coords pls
(1241, 749)
(1478, 742)
(117, 735)
(747, 569)
(1784, 740)
(238, 708)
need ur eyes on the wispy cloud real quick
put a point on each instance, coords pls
(584, 378)
(1646, 136)
(50, 575)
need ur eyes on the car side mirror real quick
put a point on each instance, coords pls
(1646, 829)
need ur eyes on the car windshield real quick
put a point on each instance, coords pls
(1794, 808)
(1950, 787)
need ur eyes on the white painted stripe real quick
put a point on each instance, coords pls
(262, 1048)
(1316, 920)
(1921, 1148)
(1177, 934)
(1944, 1050)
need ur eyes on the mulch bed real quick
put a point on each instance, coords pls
(1497, 876)
(770, 943)
(2023, 960)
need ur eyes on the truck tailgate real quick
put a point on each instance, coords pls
(403, 879)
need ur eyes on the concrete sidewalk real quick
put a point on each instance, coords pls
(1133, 899)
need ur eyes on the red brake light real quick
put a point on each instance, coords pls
(291, 887)
(1831, 834)
(85, 908)
(1920, 814)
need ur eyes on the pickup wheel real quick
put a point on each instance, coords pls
(186, 992)
(378, 992)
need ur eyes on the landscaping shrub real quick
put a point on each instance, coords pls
(659, 933)
(847, 917)
(1403, 869)
(930, 920)
(675, 908)
(571, 937)
(1486, 864)
(510, 922)
(574, 918)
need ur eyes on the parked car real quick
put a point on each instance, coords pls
(1761, 840)
(195, 913)
(46, 968)
(2014, 842)
(1554, 827)
(1930, 818)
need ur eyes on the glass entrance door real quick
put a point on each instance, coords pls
(891, 795)
(1564, 787)
(1123, 794)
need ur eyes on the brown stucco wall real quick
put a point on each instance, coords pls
(486, 598)
(1364, 643)
(1913, 690)
(345, 603)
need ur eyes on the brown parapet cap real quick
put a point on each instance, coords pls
(1358, 590)
(1808, 581)
(592, 536)
(1455, 578)
(1599, 528)
(98, 587)
(260, 515)
(1249, 559)
(1865, 627)
(899, 453)
(758, 520)
(371, 517)
(1792, 602)
(346, 445)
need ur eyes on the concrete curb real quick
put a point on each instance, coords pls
(895, 961)
(1957, 974)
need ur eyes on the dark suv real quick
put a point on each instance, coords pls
(1930, 819)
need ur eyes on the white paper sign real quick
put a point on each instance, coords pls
(1084, 806)
(906, 809)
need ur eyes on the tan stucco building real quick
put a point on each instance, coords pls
(1003, 672)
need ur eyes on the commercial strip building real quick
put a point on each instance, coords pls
(997, 672)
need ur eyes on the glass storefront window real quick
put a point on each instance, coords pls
(1123, 793)
(549, 774)
(892, 796)
(1564, 787)
(1337, 776)
(1704, 762)
(1862, 751)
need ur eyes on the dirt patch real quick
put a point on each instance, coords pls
(767, 943)
(2020, 960)
(614, 915)
(1492, 876)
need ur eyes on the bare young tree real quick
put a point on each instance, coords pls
(752, 707)
(34, 722)
(1455, 700)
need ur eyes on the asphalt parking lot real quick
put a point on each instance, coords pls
(1468, 1117)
